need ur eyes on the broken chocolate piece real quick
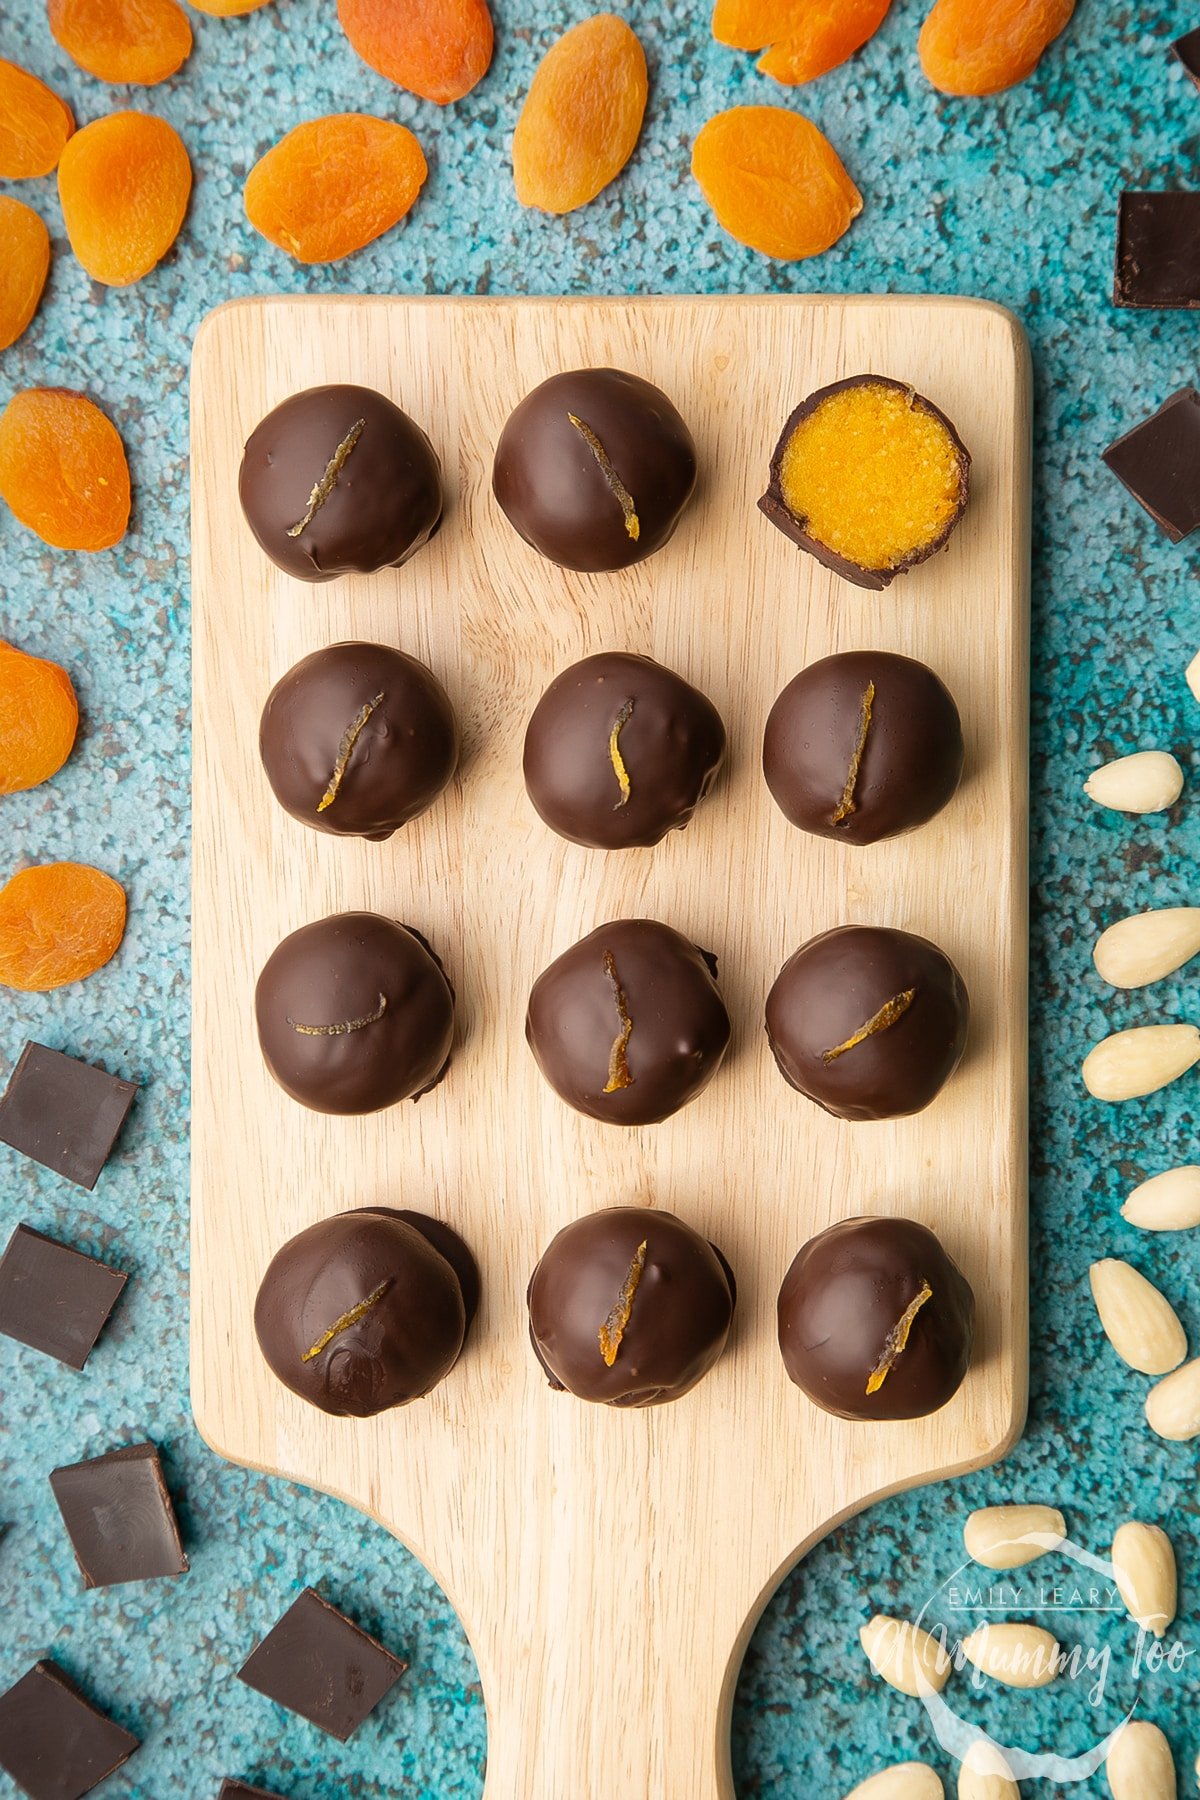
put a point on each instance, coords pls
(64, 1114)
(53, 1742)
(119, 1517)
(319, 1664)
(1159, 462)
(53, 1298)
(241, 1790)
(1187, 49)
(1158, 251)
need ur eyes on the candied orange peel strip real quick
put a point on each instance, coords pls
(349, 1318)
(618, 1059)
(884, 1019)
(616, 759)
(59, 922)
(39, 717)
(774, 181)
(614, 1327)
(350, 737)
(897, 1339)
(845, 805)
(342, 1027)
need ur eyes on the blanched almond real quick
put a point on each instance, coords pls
(1015, 1652)
(1173, 1405)
(984, 1775)
(1167, 1202)
(1140, 1765)
(1131, 1063)
(1147, 946)
(1149, 781)
(1193, 681)
(1008, 1537)
(1144, 1564)
(907, 1658)
(903, 1781)
(1140, 1323)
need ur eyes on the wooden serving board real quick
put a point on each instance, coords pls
(608, 1566)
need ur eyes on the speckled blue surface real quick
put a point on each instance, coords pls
(1013, 200)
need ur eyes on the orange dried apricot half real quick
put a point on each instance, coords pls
(984, 46)
(802, 38)
(774, 181)
(140, 41)
(228, 9)
(334, 185)
(39, 716)
(63, 469)
(34, 124)
(124, 182)
(582, 116)
(59, 922)
(23, 267)
(439, 49)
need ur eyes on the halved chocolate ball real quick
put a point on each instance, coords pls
(868, 1022)
(619, 751)
(358, 740)
(863, 746)
(354, 1014)
(629, 1025)
(629, 1307)
(876, 1320)
(367, 1310)
(594, 469)
(869, 477)
(339, 481)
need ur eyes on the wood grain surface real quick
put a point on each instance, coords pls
(608, 1566)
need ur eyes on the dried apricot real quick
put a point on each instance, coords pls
(774, 181)
(34, 124)
(124, 183)
(582, 116)
(802, 38)
(141, 41)
(985, 46)
(39, 716)
(333, 185)
(23, 267)
(63, 469)
(438, 49)
(227, 9)
(59, 922)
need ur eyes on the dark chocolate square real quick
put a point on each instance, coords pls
(53, 1298)
(320, 1665)
(53, 1742)
(64, 1113)
(119, 1517)
(1159, 462)
(1158, 251)
(1187, 49)
(241, 1790)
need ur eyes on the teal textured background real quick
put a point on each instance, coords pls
(1013, 200)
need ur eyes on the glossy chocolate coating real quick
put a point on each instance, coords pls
(385, 502)
(679, 1027)
(841, 982)
(404, 1340)
(678, 1318)
(552, 485)
(383, 715)
(905, 721)
(847, 1290)
(776, 508)
(384, 988)
(669, 739)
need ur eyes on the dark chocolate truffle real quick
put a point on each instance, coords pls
(358, 739)
(869, 477)
(869, 1023)
(619, 751)
(876, 1320)
(339, 481)
(355, 1013)
(629, 1025)
(863, 746)
(629, 1307)
(594, 469)
(367, 1310)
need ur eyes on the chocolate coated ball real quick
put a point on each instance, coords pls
(354, 1013)
(870, 1023)
(629, 1307)
(338, 481)
(594, 469)
(876, 1321)
(367, 1310)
